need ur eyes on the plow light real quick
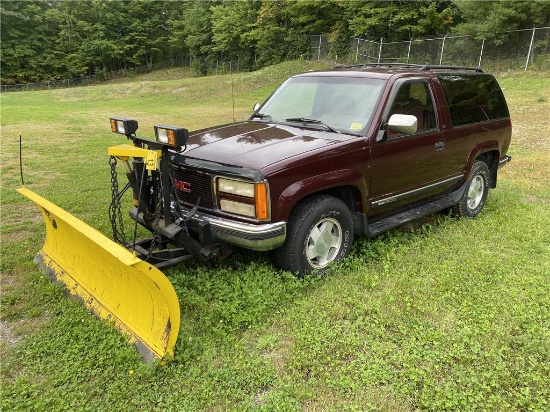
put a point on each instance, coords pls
(123, 126)
(173, 136)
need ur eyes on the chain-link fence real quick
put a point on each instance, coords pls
(177, 61)
(523, 49)
(200, 66)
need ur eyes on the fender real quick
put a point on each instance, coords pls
(492, 144)
(488, 146)
(303, 188)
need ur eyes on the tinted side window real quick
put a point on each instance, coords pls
(414, 98)
(473, 98)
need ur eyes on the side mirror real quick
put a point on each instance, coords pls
(403, 123)
(256, 107)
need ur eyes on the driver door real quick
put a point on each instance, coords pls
(408, 167)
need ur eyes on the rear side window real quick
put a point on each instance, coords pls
(473, 98)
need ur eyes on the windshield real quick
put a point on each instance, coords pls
(345, 104)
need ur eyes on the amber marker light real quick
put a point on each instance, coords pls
(260, 192)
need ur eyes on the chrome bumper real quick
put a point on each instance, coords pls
(216, 229)
(256, 237)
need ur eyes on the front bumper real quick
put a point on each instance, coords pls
(255, 237)
(210, 229)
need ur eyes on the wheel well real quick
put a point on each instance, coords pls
(347, 194)
(491, 160)
(350, 195)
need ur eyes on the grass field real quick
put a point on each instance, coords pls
(443, 314)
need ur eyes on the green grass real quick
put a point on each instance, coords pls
(443, 314)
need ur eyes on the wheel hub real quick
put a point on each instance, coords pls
(475, 192)
(323, 243)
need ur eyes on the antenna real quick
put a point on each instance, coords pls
(21, 157)
(232, 93)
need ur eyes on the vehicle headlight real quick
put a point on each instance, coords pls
(243, 198)
(236, 187)
(239, 208)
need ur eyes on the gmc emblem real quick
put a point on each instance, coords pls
(182, 186)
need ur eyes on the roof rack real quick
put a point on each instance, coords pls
(436, 66)
(404, 65)
(422, 67)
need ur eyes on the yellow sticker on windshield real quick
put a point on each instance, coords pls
(356, 126)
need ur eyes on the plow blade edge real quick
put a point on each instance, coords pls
(109, 280)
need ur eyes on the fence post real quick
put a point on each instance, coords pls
(442, 48)
(481, 53)
(530, 48)
(319, 50)
(409, 51)
(380, 49)
(357, 51)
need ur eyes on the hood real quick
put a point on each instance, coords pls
(257, 145)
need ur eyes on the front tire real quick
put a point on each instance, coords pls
(477, 188)
(319, 232)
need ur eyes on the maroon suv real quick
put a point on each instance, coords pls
(341, 153)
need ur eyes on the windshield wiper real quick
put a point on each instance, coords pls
(261, 116)
(310, 120)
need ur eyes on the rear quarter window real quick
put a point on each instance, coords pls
(473, 98)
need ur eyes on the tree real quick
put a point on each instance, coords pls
(231, 20)
(283, 27)
(268, 32)
(66, 17)
(196, 28)
(103, 34)
(500, 17)
(398, 20)
(50, 39)
(147, 30)
(314, 17)
(26, 42)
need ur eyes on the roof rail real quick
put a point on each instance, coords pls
(422, 67)
(405, 65)
(436, 66)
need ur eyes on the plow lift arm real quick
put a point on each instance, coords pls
(156, 206)
(122, 283)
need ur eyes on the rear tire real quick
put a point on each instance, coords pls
(319, 232)
(477, 187)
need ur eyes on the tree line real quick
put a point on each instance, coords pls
(43, 40)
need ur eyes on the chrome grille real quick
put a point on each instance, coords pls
(199, 184)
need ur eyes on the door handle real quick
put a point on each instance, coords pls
(439, 146)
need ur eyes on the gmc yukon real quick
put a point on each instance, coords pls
(332, 155)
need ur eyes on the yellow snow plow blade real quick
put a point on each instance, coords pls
(110, 281)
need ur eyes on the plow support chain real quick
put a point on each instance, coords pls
(109, 280)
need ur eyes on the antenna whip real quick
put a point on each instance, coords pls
(21, 157)
(232, 93)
